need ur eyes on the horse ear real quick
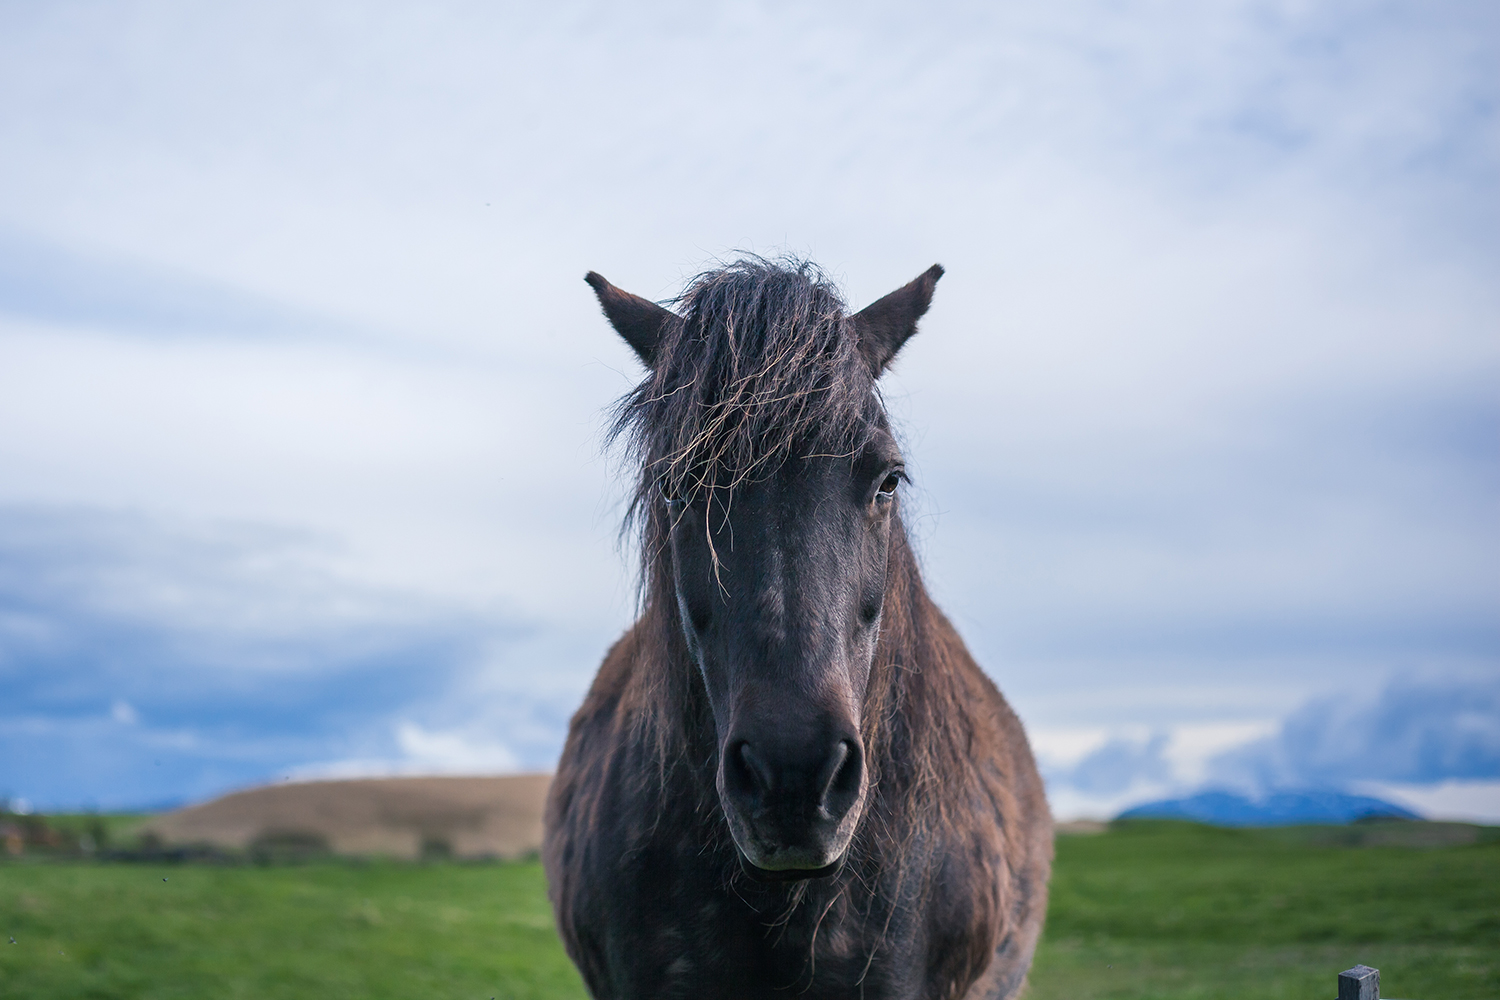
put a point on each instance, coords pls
(640, 321)
(887, 323)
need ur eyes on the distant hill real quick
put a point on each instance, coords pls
(1278, 809)
(466, 817)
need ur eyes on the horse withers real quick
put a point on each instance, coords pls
(789, 777)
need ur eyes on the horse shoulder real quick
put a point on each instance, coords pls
(1021, 849)
(574, 810)
(589, 730)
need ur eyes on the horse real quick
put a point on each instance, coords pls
(789, 777)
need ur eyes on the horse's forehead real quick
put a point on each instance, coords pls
(801, 493)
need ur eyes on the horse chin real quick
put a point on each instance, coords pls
(770, 859)
(780, 875)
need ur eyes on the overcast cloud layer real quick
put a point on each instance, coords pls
(301, 391)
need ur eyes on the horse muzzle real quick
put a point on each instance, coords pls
(792, 810)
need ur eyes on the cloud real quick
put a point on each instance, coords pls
(1119, 765)
(142, 662)
(1462, 801)
(1201, 418)
(1092, 774)
(43, 282)
(1429, 742)
(423, 751)
(1414, 731)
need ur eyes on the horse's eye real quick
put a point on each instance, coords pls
(665, 491)
(888, 487)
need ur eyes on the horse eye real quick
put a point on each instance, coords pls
(888, 487)
(664, 490)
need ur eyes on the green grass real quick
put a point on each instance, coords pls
(1145, 910)
(1156, 909)
(321, 931)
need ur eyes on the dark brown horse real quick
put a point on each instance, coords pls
(789, 778)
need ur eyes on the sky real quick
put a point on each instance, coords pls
(302, 396)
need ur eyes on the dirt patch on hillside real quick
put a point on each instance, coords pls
(397, 817)
(1076, 827)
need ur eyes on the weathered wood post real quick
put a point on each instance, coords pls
(1359, 983)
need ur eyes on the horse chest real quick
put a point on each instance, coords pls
(746, 950)
(668, 919)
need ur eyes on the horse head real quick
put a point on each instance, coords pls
(769, 495)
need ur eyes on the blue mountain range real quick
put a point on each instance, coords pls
(1286, 808)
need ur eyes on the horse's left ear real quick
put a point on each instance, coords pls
(887, 323)
(640, 321)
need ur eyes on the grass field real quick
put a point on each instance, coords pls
(1158, 909)
(1145, 910)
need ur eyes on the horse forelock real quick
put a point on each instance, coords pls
(764, 366)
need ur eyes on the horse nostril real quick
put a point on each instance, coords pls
(844, 777)
(745, 773)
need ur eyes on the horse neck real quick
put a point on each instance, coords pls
(919, 706)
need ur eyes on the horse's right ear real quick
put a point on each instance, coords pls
(640, 321)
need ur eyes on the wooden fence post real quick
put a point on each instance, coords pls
(1359, 983)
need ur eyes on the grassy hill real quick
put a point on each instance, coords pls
(1145, 909)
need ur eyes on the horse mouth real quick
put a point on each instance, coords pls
(760, 874)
